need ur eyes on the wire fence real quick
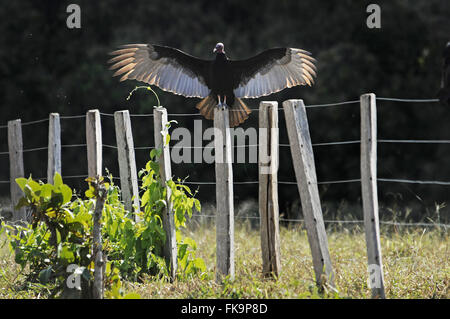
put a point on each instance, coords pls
(334, 221)
(355, 180)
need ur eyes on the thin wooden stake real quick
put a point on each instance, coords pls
(224, 196)
(370, 193)
(165, 169)
(94, 143)
(127, 161)
(54, 147)
(16, 170)
(268, 188)
(97, 252)
(305, 172)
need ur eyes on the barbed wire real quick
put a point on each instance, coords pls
(406, 100)
(415, 141)
(334, 221)
(73, 145)
(110, 146)
(106, 114)
(256, 109)
(252, 145)
(35, 149)
(34, 122)
(66, 117)
(408, 181)
(355, 180)
(332, 104)
(282, 145)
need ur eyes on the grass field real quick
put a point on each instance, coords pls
(416, 264)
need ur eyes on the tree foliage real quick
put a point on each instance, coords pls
(47, 67)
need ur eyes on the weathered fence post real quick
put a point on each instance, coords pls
(127, 161)
(54, 147)
(165, 169)
(97, 252)
(268, 187)
(224, 196)
(305, 172)
(15, 146)
(94, 143)
(370, 193)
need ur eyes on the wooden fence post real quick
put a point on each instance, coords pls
(224, 196)
(94, 143)
(16, 170)
(127, 161)
(305, 172)
(370, 193)
(97, 252)
(54, 147)
(165, 169)
(268, 187)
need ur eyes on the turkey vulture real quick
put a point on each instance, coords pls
(220, 81)
(444, 92)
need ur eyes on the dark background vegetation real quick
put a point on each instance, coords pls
(46, 67)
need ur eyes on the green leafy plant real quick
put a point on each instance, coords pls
(135, 247)
(59, 236)
(183, 202)
(60, 233)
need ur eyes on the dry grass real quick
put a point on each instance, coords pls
(416, 264)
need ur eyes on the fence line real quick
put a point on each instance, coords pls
(35, 149)
(197, 114)
(74, 145)
(65, 117)
(394, 180)
(303, 162)
(111, 146)
(289, 182)
(34, 122)
(406, 100)
(337, 221)
(416, 141)
(408, 181)
(253, 145)
(332, 104)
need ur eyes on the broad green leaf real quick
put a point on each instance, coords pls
(46, 191)
(145, 198)
(44, 275)
(89, 193)
(66, 193)
(167, 139)
(154, 166)
(198, 206)
(200, 264)
(21, 181)
(57, 180)
(66, 254)
(152, 154)
(35, 186)
(23, 202)
(182, 250)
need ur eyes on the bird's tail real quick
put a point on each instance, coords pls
(238, 112)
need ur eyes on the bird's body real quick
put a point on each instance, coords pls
(222, 78)
(219, 82)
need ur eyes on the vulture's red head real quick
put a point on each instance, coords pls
(219, 48)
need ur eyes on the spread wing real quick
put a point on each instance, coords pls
(272, 71)
(169, 69)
